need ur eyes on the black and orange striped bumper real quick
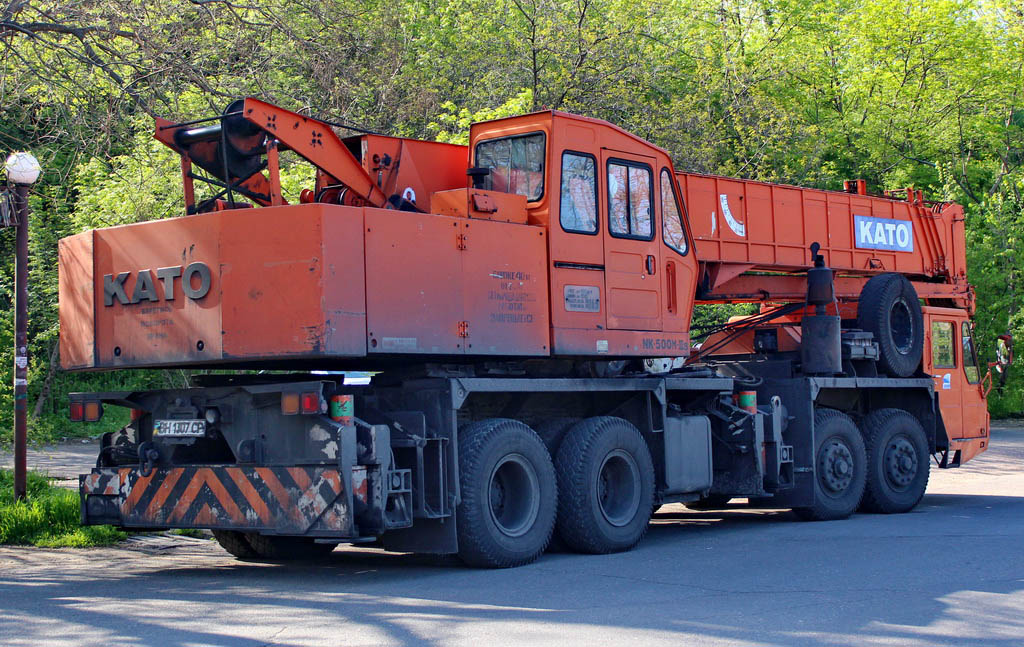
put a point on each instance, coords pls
(294, 500)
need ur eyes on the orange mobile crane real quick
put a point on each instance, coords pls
(516, 298)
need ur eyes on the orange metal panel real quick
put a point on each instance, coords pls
(283, 282)
(411, 168)
(292, 280)
(505, 288)
(77, 303)
(772, 226)
(414, 287)
(344, 282)
(480, 204)
(156, 330)
(577, 298)
(617, 343)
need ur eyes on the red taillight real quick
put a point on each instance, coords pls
(310, 403)
(137, 413)
(77, 413)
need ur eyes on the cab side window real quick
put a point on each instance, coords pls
(943, 348)
(630, 202)
(516, 163)
(971, 368)
(577, 210)
(671, 222)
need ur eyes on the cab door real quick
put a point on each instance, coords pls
(943, 340)
(972, 399)
(632, 254)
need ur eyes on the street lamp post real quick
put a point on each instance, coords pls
(22, 171)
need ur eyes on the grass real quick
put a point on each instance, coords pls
(49, 518)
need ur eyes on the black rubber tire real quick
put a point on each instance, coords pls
(594, 451)
(552, 431)
(284, 548)
(837, 444)
(235, 543)
(499, 457)
(890, 310)
(898, 461)
(709, 502)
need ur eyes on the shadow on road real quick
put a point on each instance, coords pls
(717, 577)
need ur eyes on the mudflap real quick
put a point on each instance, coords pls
(295, 500)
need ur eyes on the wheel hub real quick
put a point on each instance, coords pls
(618, 488)
(900, 462)
(835, 466)
(901, 325)
(513, 495)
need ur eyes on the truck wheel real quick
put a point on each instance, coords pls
(235, 543)
(709, 502)
(552, 431)
(606, 486)
(889, 309)
(839, 467)
(283, 548)
(898, 461)
(509, 494)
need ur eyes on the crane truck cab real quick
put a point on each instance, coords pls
(621, 276)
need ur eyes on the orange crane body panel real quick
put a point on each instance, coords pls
(574, 249)
(745, 226)
(301, 282)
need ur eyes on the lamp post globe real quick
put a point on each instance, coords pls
(22, 168)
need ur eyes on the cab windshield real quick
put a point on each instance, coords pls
(516, 164)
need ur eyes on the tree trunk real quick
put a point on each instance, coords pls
(51, 368)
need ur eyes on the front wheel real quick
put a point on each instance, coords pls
(839, 467)
(898, 461)
(509, 494)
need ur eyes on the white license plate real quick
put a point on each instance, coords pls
(179, 428)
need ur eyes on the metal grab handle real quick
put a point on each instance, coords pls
(651, 267)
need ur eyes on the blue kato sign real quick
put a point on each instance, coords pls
(884, 233)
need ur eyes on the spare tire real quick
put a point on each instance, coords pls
(890, 310)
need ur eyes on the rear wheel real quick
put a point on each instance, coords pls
(839, 467)
(897, 461)
(284, 548)
(606, 486)
(509, 494)
(235, 543)
(552, 431)
(889, 309)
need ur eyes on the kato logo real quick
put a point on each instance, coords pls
(195, 282)
(884, 233)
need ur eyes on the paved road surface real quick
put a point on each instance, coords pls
(950, 573)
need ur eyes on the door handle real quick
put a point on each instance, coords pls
(670, 287)
(650, 265)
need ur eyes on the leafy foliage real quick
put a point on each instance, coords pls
(805, 92)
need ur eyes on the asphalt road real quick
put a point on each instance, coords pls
(949, 573)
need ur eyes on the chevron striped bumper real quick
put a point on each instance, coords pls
(295, 500)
